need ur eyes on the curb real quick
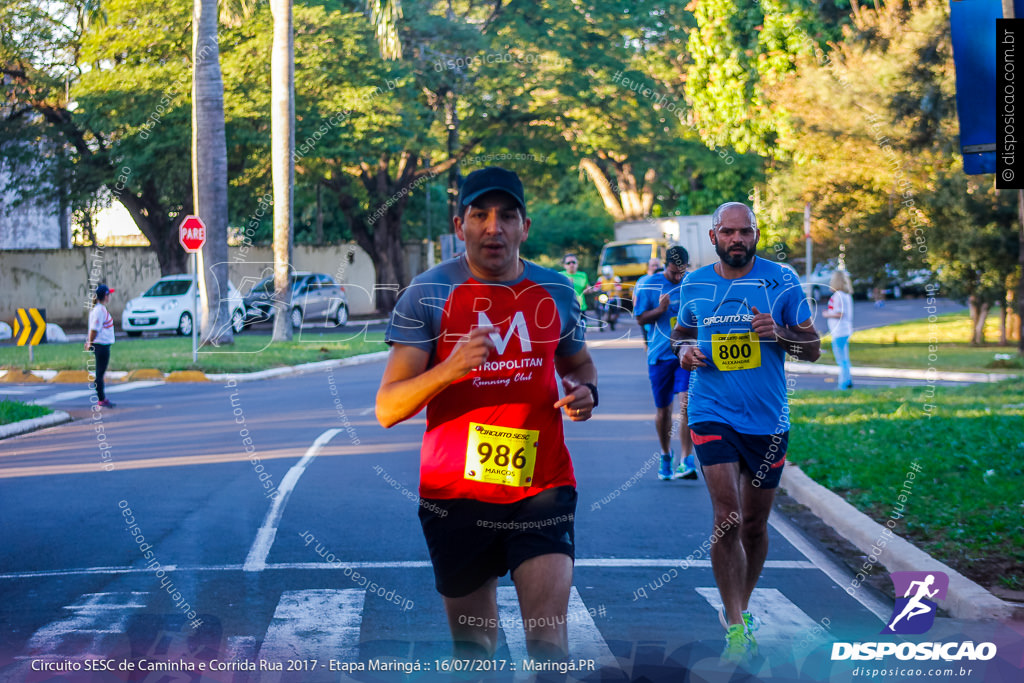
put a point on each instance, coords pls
(199, 375)
(965, 599)
(55, 418)
(299, 369)
(901, 373)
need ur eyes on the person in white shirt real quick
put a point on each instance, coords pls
(839, 315)
(100, 339)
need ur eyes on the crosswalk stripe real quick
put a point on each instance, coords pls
(585, 640)
(94, 621)
(313, 624)
(781, 620)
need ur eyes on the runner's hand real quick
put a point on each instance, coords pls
(578, 401)
(471, 351)
(693, 358)
(763, 324)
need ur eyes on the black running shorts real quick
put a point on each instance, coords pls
(762, 455)
(470, 541)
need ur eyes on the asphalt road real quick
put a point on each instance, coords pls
(335, 569)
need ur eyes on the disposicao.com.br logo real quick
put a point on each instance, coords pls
(914, 614)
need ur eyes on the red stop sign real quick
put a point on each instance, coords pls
(192, 233)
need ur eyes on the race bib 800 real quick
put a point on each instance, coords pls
(736, 351)
(501, 455)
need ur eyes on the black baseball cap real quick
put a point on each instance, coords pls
(102, 291)
(678, 256)
(490, 179)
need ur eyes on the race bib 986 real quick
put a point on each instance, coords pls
(501, 455)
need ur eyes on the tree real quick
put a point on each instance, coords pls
(210, 172)
(282, 124)
(870, 139)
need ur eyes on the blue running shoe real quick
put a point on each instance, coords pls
(665, 473)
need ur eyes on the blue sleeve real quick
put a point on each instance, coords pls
(796, 308)
(687, 316)
(574, 327)
(416, 320)
(644, 298)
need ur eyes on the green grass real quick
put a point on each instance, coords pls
(248, 353)
(920, 344)
(966, 506)
(13, 411)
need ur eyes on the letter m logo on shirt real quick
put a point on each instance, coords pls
(518, 327)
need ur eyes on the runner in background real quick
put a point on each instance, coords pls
(656, 305)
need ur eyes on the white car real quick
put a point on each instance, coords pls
(170, 305)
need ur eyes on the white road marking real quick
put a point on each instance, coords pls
(585, 640)
(834, 571)
(315, 624)
(257, 558)
(781, 620)
(95, 621)
(624, 563)
(80, 393)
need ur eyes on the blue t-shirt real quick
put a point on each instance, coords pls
(659, 337)
(744, 385)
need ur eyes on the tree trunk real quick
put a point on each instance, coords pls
(979, 313)
(210, 174)
(282, 124)
(626, 200)
(1002, 322)
(153, 221)
(451, 120)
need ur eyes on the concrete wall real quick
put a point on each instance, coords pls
(59, 279)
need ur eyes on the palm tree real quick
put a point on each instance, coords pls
(384, 15)
(210, 172)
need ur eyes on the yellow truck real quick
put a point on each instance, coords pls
(637, 242)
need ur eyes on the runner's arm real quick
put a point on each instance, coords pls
(576, 371)
(407, 384)
(684, 344)
(651, 315)
(800, 340)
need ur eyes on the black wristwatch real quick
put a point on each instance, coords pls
(593, 391)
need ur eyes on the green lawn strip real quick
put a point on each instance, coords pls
(920, 344)
(948, 327)
(248, 353)
(966, 505)
(13, 411)
(950, 357)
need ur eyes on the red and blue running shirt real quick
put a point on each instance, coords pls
(493, 435)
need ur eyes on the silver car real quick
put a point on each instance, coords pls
(316, 297)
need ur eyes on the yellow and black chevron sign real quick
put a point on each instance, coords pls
(30, 326)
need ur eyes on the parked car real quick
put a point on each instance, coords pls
(170, 305)
(818, 285)
(315, 297)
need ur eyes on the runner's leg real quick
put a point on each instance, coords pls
(543, 584)
(473, 620)
(663, 424)
(756, 506)
(728, 558)
(685, 441)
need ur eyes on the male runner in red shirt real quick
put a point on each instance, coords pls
(477, 340)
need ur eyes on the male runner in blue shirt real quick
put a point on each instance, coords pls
(738, 320)
(656, 304)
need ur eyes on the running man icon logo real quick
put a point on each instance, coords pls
(914, 612)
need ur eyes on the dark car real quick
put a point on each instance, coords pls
(316, 297)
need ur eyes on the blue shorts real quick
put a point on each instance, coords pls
(762, 455)
(667, 380)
